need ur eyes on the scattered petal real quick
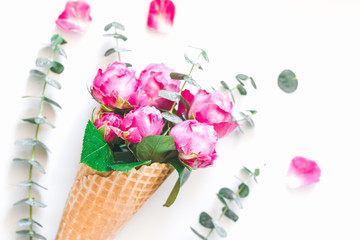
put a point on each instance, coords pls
(302, 172)
(75, 17)
(161, 15)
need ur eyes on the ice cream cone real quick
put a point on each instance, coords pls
(99, 204)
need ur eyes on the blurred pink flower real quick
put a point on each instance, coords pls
(156, 77)
(195, 143)
(75, 17)
(161, 15)
(302, 172)
(117, 87)
(213, 108)
(141, 122)
(113, 123)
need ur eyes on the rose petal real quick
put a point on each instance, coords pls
(161, 15)
(75, 17)
(302, 172)
(225, 128)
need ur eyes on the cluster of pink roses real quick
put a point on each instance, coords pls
(208, 118)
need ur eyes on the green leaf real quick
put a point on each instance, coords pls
(57, 40)
(220, 230)
(252, 82)
(155, 148)
(57, 67)
(222, 199)
(52, 82)
(257, 172)
(243, 190)
(185, 103)
(25, 222)
(240, 77)
(124, 157)
(177, 76)
(126, 167)
(31, 142)
(224, 84)
(32, 162)
(191, 81)
(60, 51)
(96, 153)
(43, 63)
(247, 118)
(116, 25)
(172, 96)
(241, 90)
(31, 234)
(29, 183)
(116, 35)
(37, 73)
(229, 194)
(128, 64)
(189, 60)
(184, 174)
(198, 234)
(204, 55)
(39, 120)
(30, 202)
(230, 214)
(171, 117)
(206, 220)
(287, 81)
(48, 100)
(114, 50)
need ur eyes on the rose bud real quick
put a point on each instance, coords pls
(112, 122)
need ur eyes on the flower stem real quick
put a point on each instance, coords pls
(117, 46)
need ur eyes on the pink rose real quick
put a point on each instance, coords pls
(161, 15)
(75, 17)
(113, 123)
(157, 77)
(195, 143)
(302, 172)
(212, 108)
(141, 122)
(117, 87)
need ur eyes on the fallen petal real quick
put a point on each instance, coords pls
(75, 17)
(161, 15)
(302, 172)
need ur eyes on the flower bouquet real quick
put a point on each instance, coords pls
(144, 128)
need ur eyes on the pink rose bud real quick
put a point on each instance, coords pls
(161, 15)
(302, 172)
(215, 109)
(113, 123)
(75, 17)
(195, 143)
(141, 122)
(157, 77)
(117, 87)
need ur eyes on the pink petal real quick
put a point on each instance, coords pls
(189, 97)
(75, 17)
(224, 128)
(161, 15)
(302, 172)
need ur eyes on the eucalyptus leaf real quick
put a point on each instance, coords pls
(44, 63)
(252, 82)
(185, 103)
(30, 202)
(243, 190)
(155, 148)
(240, 77)
(206, 220)
(204, 55)
(222, 199)
(96, 153)
(128, 64)
(224, 84)
(38, 120)
(220, 230)
(32, 234)
(31, 142)
(116, 35)
(114, 50)
(192, 62)
(172, 96)
(230, 214)
(57, 67)
(257, 172)
(126, 167)
(171, 117)
(28, 184)
(32, 162)
(241, 90)
(287, 81)
(177, 76)
(191, 81)
(37, 73)
(48, 100)
(229, 194)
(57, 40)
(198, 234)
(116, 25)
(60, 51)
(247, 118)
(52, 82)
(24, 222)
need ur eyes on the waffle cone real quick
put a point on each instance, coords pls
(99, 204)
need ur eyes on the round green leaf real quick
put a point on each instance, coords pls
(287, 81)
(206, 220)
(243, 190)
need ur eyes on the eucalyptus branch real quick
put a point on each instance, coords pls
(116, 36)
(50, 65)
(227, 197)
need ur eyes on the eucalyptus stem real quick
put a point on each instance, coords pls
(117, 46)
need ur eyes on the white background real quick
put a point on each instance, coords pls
(319, 40)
